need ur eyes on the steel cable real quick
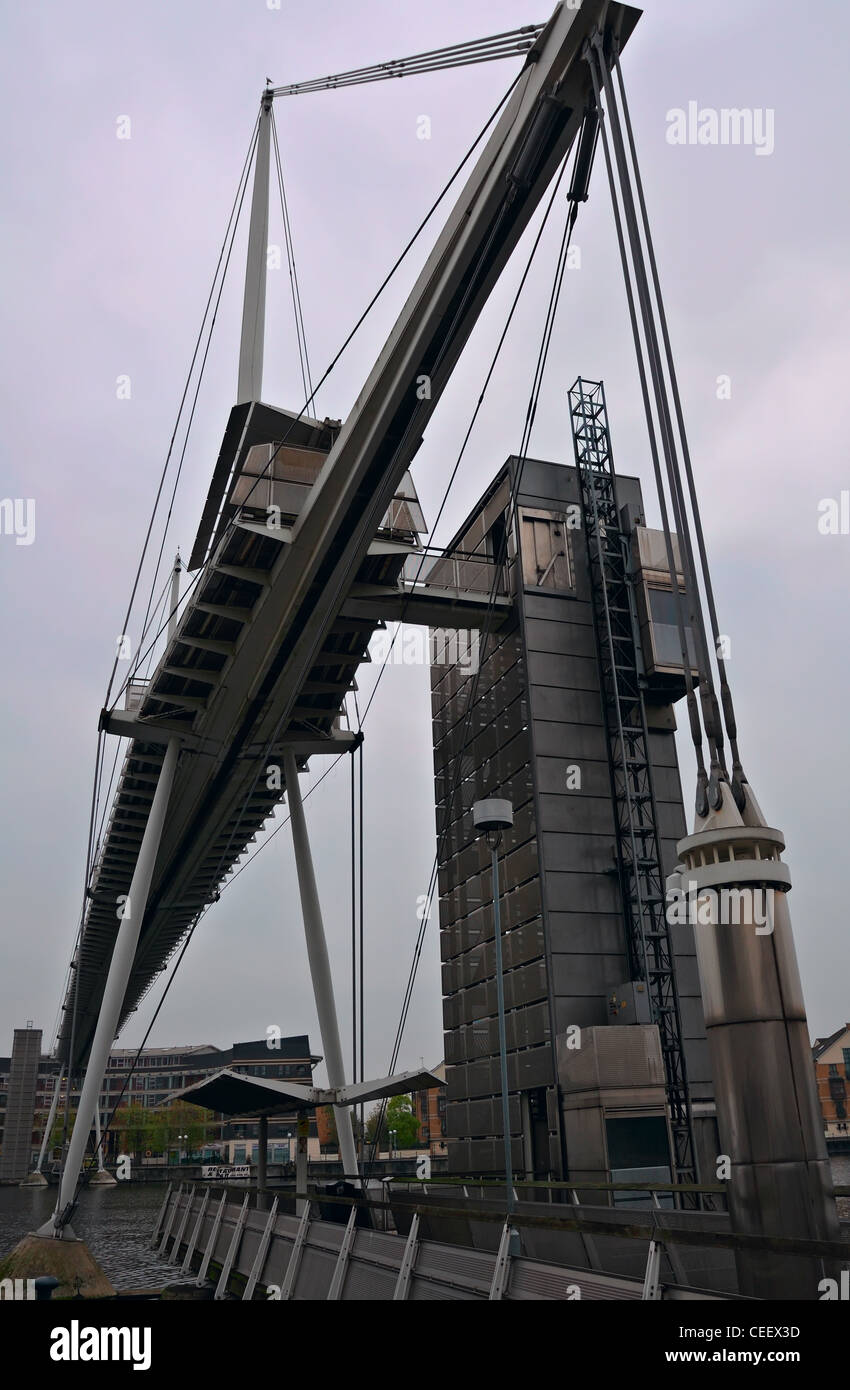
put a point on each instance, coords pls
(725, 690)
(693, 711)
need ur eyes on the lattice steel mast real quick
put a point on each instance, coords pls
(641, 872)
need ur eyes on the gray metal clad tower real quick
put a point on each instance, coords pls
(20, 1106)
(530, 725)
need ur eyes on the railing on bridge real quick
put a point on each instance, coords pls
(279, 478)
(459, 571)
(135, 693)
(583, 1252)
(253, 1252)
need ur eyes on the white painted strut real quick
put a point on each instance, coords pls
(175, 597)
(254, 305)
(103, 1178)
(320, 970)
(116, 983)
(101, 1166)
(50, 1118)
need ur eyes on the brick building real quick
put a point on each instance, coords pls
(832, 1071)
(430, 1110)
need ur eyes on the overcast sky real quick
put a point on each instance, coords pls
(109, 246)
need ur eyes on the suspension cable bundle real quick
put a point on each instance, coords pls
(505, 45)
(664, 417)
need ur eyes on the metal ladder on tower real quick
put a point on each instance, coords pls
(641, 872)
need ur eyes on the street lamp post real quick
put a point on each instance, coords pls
(492, 816)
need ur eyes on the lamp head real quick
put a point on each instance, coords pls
(491, 816)
(493, 813)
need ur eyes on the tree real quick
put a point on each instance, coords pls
(135, 1128)
(376, 1126)
(398, 1116)
(141, 1130)
(327, 1130)
(402, 1118)
(58, 1129)
(183, 1119)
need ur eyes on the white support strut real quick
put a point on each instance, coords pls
(133, 912)
(320, 970)
(45, 1139)
(251, 345)
(98, 1140)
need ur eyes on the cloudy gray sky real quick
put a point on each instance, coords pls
(108, 249)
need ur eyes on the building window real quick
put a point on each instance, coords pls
(845, 1052)
(662, 607)
(833, 1069)
(496, 540)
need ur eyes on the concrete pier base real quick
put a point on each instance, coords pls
(69, 1261)
(33, 1179)
(102, 1178)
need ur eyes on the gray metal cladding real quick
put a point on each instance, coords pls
(537, 717)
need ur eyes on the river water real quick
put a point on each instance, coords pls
(117, 1222)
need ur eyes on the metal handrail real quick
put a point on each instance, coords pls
(464, 1178)
(454, 570)
(731, 1240)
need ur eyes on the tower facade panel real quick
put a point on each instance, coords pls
(529, 724)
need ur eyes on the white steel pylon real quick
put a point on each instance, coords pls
(250, 385)
(132, 916)
(320, 970)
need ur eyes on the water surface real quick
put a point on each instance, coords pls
(116, 1223)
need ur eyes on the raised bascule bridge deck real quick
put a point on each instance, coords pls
(219, 686)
